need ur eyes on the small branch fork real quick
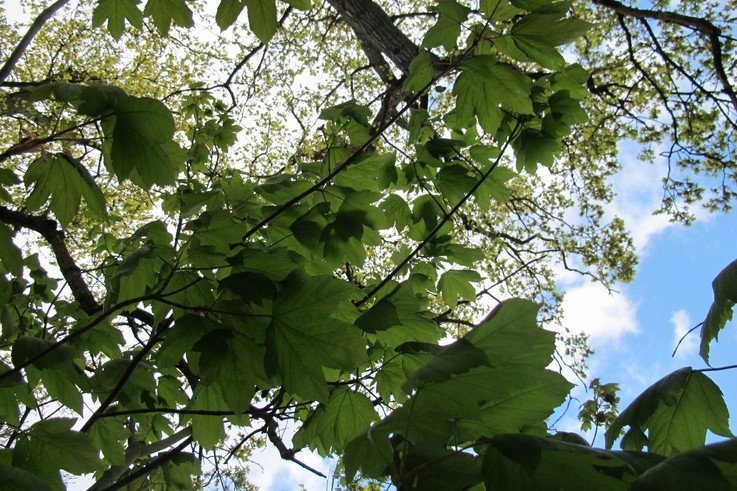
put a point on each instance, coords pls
(710, 31)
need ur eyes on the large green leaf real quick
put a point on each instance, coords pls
(421, 73)
(230, 360)
(10, 255)
(66, 181)
(457, 284)
(308, 332)
(446, 30)
(485, 87)
(510, 335)
(17, 479)
(725, 296)
(346, 415)
(141, 137)
(536, 35)
(207, 429)
(262, 18)
(677, 411)
(713, 467)
(228, 12)
(51, 445)
(514, 462)
(115, 13)
(167, 12)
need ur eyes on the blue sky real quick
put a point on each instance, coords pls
(671, 293)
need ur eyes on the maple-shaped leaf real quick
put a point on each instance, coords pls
(50, 445)
(230, 360)
(141, 141)
(485, 87)
(116, 12)
(677, 410)
(309, 330)
(207, 429)
(725, 297)
(167, 12)
(446, 30)
(66, 181)
(345, 416)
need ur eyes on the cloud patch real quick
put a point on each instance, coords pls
(682, 323)
(605, 316)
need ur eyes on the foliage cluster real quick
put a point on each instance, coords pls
(317, 292)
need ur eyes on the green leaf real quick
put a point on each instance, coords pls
(346, 415)
(456, 284)
(397, 211)
(534, 147)
(110, 434)
(66, 181)
(142, 141)
(453, 359)
(116, 12)
(446, 30)
(50, 445)
(510, 335)
(228, 12)
(167, 12)
(262, 18)
(529, 462)
(10, 255)
(713, 467)
(498, 9)
(486, 85)
(230, 360)
(17, 479)
(421, 73)
(538, 33)
(448, 469)
(725, 296)
(300, 4)
(677, 411)
(494, 187)
(307, 333)
(207, 429)
(28, 347)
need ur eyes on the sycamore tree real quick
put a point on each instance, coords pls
(223, 220)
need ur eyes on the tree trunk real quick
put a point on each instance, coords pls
(375, 28)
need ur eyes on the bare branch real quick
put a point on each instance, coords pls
(42, 18)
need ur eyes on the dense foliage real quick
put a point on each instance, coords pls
(305, 242)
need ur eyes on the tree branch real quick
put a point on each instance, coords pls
(47, 228)
(42, 18)
(706, 28)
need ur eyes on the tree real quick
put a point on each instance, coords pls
(307, 273)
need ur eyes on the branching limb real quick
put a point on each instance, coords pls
(699, 24)
(284, 452)
(48, 230)
(42, 19)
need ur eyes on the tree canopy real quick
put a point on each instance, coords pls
(221, 220)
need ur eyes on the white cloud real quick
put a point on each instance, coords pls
(639, 191)
(605, 316)
(682, 323)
